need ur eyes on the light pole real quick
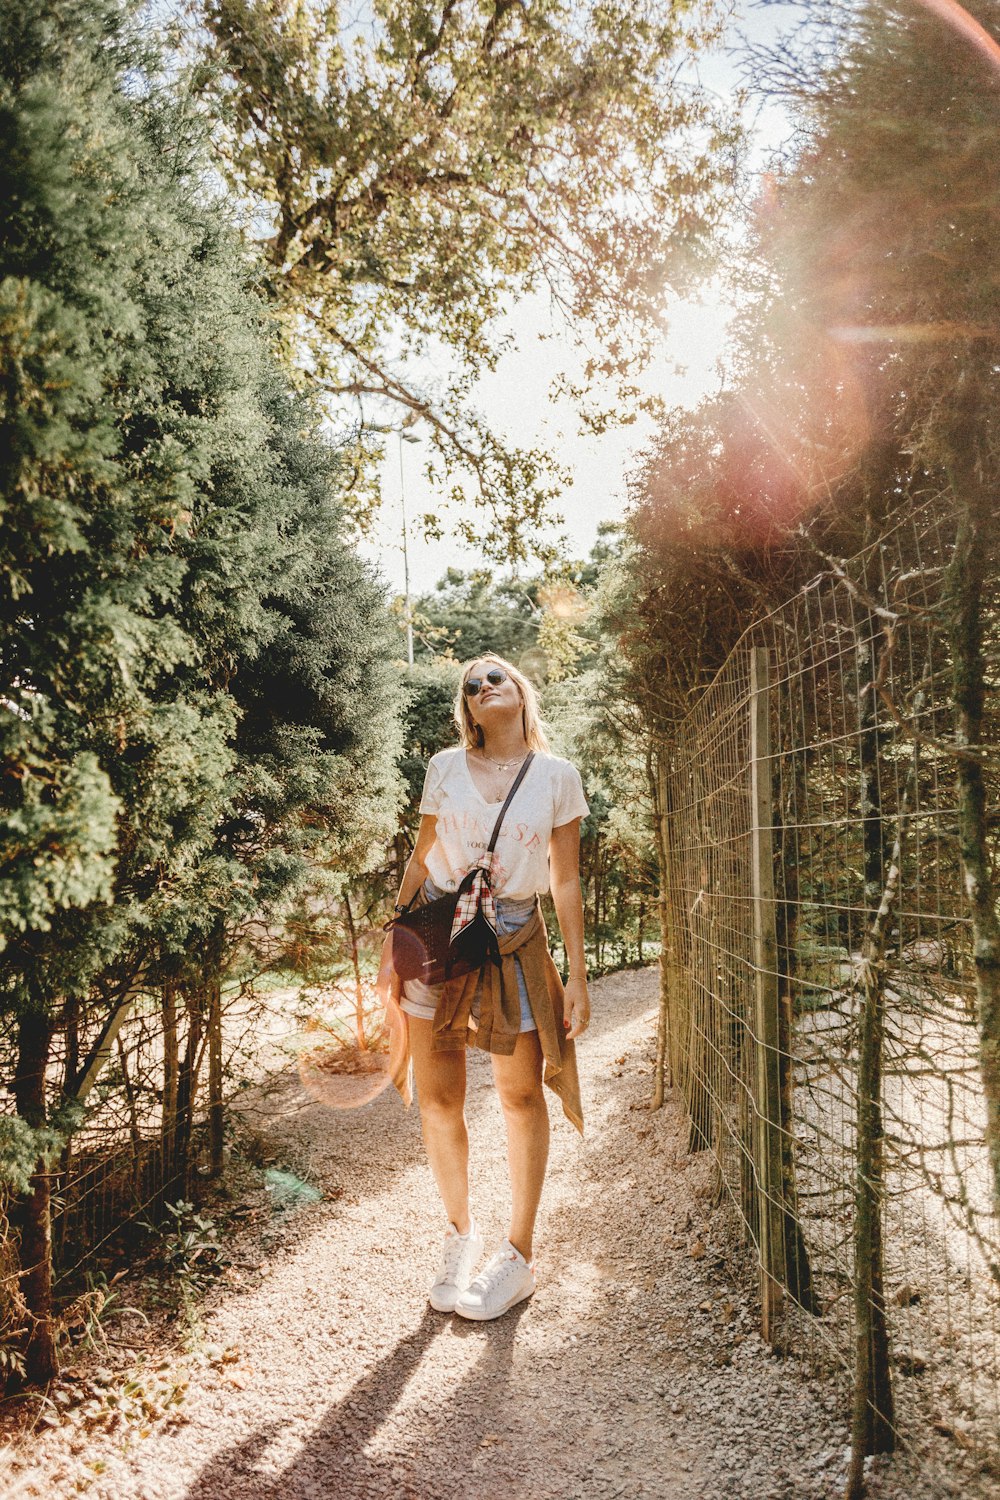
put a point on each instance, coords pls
(406, 437)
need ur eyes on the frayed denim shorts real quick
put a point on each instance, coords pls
(421, 999)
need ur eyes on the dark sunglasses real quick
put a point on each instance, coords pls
(494, 678)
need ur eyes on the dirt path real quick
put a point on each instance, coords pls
(323, 1372)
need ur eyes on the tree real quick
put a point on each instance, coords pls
(407, 174)
(197, 706)
(83, 546)
(471, 612)
(864, 379)
(888, 222)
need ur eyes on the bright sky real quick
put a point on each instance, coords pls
(516, 396)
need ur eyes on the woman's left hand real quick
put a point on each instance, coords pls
(576, 1007)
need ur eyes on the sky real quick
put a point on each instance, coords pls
(516, 396)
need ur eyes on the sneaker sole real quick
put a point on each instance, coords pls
(478, 1316)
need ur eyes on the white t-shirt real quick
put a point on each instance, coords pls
(550, 795)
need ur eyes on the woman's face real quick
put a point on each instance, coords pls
(495, 702)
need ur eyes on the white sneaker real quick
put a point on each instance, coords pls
(458, 1256)
(506, 1279)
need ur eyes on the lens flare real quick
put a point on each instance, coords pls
(344, 1077)
(957, 17)
(347, 1066)
(912, 333)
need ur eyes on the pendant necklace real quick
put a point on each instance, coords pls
(503, 765)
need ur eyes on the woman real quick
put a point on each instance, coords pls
(518, 1011)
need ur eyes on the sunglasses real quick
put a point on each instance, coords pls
(494, 678)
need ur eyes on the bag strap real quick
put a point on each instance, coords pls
(509, 799)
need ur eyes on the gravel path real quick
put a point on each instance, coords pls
(322, 1372)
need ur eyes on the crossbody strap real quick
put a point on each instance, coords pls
(510, 797)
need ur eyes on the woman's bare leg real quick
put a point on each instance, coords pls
(440, 1081)
(518, 1080)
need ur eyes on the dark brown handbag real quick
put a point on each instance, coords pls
(421, 935)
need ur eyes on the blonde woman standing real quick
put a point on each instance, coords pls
(518, 1009)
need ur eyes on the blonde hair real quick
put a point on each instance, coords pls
(470, 733)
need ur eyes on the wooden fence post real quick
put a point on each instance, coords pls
(665, 1075)
(767, 1079)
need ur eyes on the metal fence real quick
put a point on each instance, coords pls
(820, 1001)
(153, 1070)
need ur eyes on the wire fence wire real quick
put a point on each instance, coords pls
(819, 972)
(161, 1073)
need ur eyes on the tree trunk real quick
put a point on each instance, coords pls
(135, 1135)
(41, 1361)
(873, 1421)
(72, 1044)
(186, 1085)
(70, 1073)
(216, 1105)
(359, 993)
(964, 597)
(168, 1112)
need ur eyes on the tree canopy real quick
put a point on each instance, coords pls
(409, 170)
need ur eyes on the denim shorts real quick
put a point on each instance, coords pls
(421, 999)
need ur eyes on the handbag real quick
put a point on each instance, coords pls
(422, 945)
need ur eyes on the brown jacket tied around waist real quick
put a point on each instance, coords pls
(454, 1026)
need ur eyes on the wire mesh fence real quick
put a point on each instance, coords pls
(152, 1070)
(820, 999)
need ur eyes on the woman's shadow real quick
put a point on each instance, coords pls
(353, 1421)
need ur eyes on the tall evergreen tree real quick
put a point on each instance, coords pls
(189, 648)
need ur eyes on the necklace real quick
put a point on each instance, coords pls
(502, 765)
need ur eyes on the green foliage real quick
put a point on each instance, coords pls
(199, 716)
(412, 172)
(472, 612)
(429, 725)
(21, 1148)
(191, 1249)
(862, 385)
(194, 660)
(58, 838)
(863, 370)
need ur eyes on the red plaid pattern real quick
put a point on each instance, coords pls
(478, 898)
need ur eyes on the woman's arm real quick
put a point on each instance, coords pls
(416, 866)
(564, 876)
(413, 878)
